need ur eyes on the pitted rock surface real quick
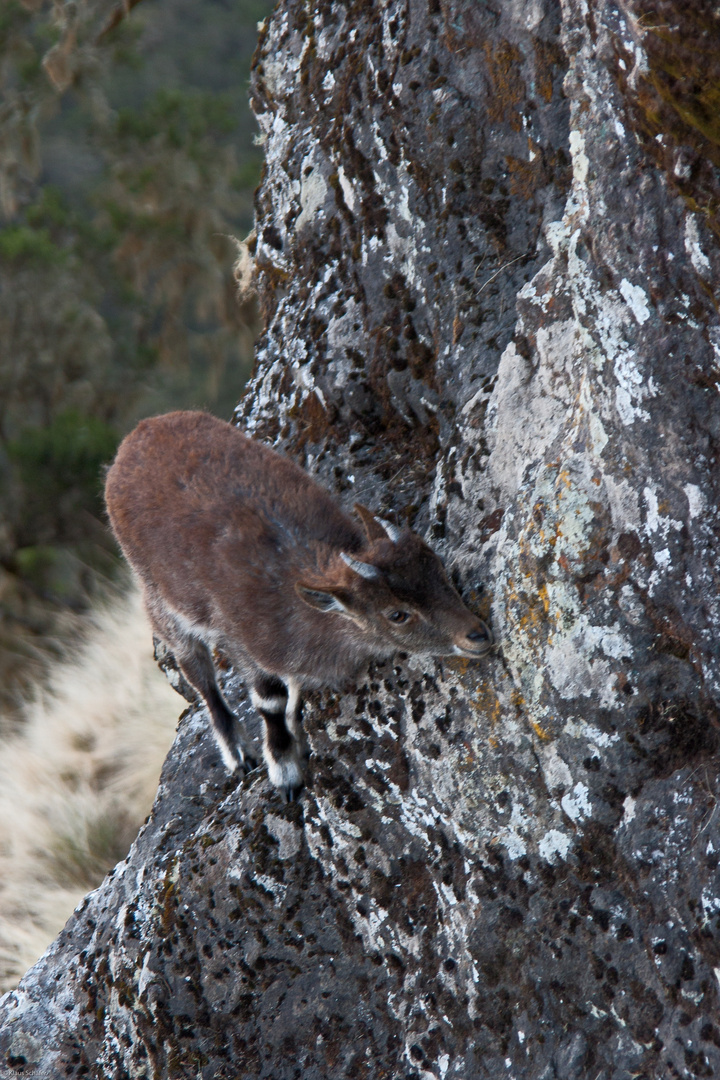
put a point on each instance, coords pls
(487, 250)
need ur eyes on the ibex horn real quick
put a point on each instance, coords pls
(364, 569)
(392, 530)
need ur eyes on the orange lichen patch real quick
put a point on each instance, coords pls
(468, 759)
(563, 477)
(518, 700)
(533, 617)
(548, 58)
(487, 702)
(507, 85)
(526, 176)
(458, 664)
(540, 731)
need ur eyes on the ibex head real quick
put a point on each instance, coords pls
(398, 595)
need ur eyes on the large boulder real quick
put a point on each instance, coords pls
(486, 252)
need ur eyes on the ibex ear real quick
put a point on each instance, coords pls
(373, 528)
(324, 599)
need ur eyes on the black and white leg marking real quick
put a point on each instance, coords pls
(293, 717)
(281, 747)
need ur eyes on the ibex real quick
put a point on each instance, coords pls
(236, 547)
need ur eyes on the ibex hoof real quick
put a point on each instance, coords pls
(249, 764)
(290, 793)
(287, 775)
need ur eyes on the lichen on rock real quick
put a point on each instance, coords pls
(489, 311)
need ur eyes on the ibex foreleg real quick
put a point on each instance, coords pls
(279, 706)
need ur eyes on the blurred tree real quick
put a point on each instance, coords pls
(127, 166)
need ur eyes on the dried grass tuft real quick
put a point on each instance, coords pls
(78, 780)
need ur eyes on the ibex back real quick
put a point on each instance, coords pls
(236, 547)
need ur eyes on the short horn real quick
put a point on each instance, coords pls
(364, 569)
(392, 530)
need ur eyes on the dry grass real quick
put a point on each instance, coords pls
(79, 779)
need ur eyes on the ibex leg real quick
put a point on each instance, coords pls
(194, 660)
(283, 752)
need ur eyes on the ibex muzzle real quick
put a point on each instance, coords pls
(236, 547)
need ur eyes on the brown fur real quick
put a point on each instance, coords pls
(236, 546)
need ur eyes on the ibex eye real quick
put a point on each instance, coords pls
(398, 617)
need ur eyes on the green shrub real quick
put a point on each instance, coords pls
(180, 117)
(60, 466)
(21, 242)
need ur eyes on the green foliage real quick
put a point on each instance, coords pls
(22, 242)
(13, 16)
(59, 474)
(67, 454)
(124, 46)
(53, 572)
(247, 176)
(50, 208)
(55, 230)
(182, 118)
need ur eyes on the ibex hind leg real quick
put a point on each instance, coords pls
(283, 752)
(194, 660)
(197, 666)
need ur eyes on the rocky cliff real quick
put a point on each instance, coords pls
(487, 240)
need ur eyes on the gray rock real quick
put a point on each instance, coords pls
(489, 300)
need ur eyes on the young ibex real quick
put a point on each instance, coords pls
(237, 547)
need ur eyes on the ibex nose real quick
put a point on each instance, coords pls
(477, 641)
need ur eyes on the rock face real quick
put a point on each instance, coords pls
(486, 251)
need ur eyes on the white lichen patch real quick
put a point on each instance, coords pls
(554, 844)
(580, 160)
(557, 772)
(313, 192)
(347, 189)
(656, 522)
(343, 332)
(698, 258)
(515, 836)
(596, 739)
(630, 390)
(576, 803)
(536, 401)
(288, 836)
(636, 299)
(573, 674)
(696, 500)
(624, 504)
(628, 810)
